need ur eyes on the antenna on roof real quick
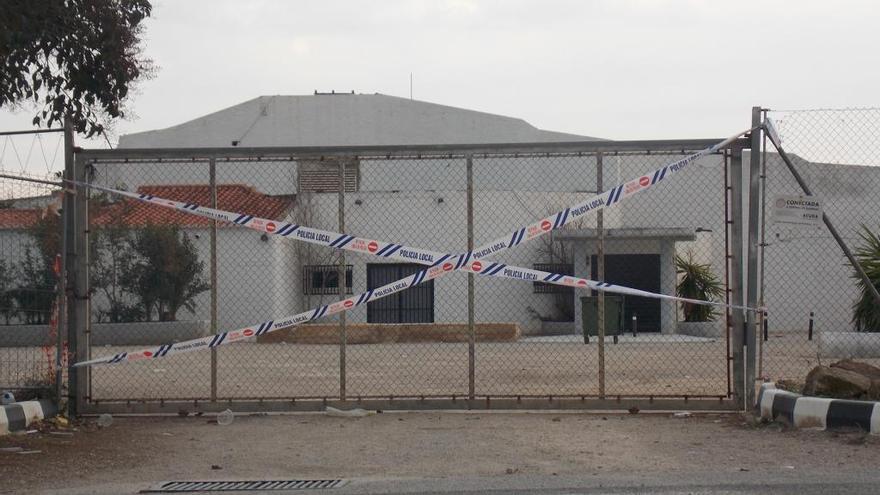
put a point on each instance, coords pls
(410, 85)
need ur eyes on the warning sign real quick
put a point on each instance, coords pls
(797, 210)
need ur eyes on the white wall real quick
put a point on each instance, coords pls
(804, 270)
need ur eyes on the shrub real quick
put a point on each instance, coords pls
(697, 282)
(866, 312)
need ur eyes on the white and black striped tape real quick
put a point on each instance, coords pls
(440, 263)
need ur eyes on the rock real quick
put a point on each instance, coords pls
(874, 391)
(864, 369)
(839, 383)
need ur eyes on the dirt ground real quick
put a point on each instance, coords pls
(283, 370)
(136, 452)
(648, 365)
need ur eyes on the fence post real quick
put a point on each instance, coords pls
(752, 323)
(340, 284)
(728, 320)
(600, 274)
(212, 172)
(737, 316)
(78, 303)
(62, 327)
(762, 248)
(470, 245)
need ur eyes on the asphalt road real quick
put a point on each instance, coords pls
(745, 485)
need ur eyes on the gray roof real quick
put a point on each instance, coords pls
(342, 119)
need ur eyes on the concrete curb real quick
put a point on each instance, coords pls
(18, 416)
(818, 412)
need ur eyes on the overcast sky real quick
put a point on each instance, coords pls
(614, 69)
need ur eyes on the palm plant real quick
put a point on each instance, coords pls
(697, 281)
(866, 313)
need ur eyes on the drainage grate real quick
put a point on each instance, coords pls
(242, 486)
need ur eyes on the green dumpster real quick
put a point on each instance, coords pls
(614, 306)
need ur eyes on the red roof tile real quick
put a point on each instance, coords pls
(19, 218)
(235, 197)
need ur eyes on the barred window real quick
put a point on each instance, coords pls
(545, 288)
(324, 279)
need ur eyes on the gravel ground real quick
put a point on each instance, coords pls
(136, 452)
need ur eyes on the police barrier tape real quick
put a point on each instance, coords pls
(265, 327)
(602, 200)
(471, 263)
(440, 263)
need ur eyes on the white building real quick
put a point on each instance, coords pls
(421, 202)
(436, 188)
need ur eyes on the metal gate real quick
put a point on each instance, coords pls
(486, 343)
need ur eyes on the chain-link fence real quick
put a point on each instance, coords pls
(159, 276)
(818, 312)
(30, 257)
(653, 348)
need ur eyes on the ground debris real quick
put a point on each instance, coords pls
(60, 421)
(348, 413)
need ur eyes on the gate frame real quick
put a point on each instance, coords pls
(79, 304)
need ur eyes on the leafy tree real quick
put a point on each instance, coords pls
(72, 58)
(113, 258)
(36, 275)
(7, 301)
(36, 290)
(697, 282)
(46, 233)
(866, 313)
(168, 274)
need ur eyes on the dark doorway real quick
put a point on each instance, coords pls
(413, 305)
(639, 271)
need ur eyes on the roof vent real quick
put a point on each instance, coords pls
(332, 92)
